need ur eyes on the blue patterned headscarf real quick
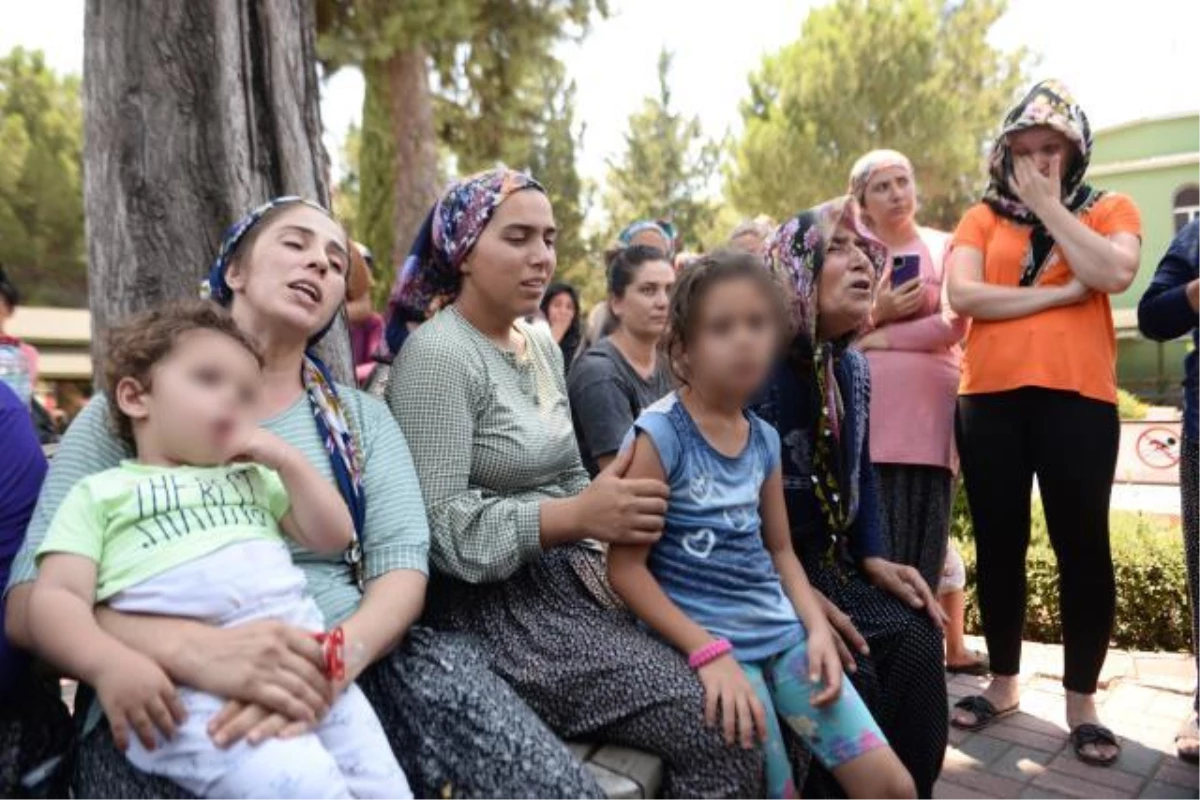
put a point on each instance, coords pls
(345, 457)
(663, 228)
(431, 274)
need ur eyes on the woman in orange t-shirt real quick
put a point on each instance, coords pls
(1033, 266)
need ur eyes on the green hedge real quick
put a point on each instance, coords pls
(1152, 601)
(1130, 406)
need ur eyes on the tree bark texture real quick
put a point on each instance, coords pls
(414, 167)
(195, 111)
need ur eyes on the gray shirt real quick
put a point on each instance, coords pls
(607, 395)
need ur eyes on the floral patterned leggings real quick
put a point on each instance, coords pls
(837, 733)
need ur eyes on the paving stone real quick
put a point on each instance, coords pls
(1162, 741)
(1075, 786)
(1169, 704)
(1177, 772)
(1027, 756)
(1015, 735)
(1020, 763)
(969, 684)
(1130, 699)
(1139, 759)
(1163, 790)
(981, 780)
(1113, 776)
(1049, 685)
(946, 790)
(958, 735)
(1037, 793)
(1032, 722)
(957, 758)
(1173, 672)
(1042, 703)
(983, 750)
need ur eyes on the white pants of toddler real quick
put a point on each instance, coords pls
(346, 755)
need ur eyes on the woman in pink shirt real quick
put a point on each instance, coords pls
(914, 354)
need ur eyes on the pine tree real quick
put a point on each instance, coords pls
(41, 181)
(456, 78)
(552, 161)
(918, 76)
(666, 169)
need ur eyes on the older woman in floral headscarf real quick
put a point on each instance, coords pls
(481, 396)
(1033, 265)
(819, 400)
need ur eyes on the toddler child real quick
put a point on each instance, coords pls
(191, 528)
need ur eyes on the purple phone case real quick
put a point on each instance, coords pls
(905, 269)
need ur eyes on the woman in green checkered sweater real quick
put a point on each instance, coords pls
(516, 526)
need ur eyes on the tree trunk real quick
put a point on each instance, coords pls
(414, 165)
(194, 112)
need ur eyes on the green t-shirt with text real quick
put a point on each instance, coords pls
(138, 521)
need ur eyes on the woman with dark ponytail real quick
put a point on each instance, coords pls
(622, 373)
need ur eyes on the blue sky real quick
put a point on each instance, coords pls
(1124, 60)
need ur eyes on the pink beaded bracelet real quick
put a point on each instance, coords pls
(709, 653)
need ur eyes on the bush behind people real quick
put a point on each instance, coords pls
(1152, 602)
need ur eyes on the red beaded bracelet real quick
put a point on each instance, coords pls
(709, 653)
(334, 644)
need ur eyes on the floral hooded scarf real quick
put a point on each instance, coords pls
(866, 167)
(430, 276)
(796, 256)
(1049, 104)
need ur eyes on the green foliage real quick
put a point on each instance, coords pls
(551, 159)
(492, 82)
(917, 76)
(41, 183)
(346, 192)
(716, 232)
(1130, 406)
(665, 170)
(1152, 601)
(495, 84)
(376, 201)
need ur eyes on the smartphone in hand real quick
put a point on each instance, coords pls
(904, 269)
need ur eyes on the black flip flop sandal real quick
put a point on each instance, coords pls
(977, 669)
(1086, 734)
(985, 713)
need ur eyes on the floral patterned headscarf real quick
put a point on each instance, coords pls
(866, 167)
(796, 255)
(430, 276)
(1049, 104)
(345, 456)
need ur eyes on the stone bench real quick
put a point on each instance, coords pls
(621, 771)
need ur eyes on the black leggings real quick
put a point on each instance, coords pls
(1070, 443)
